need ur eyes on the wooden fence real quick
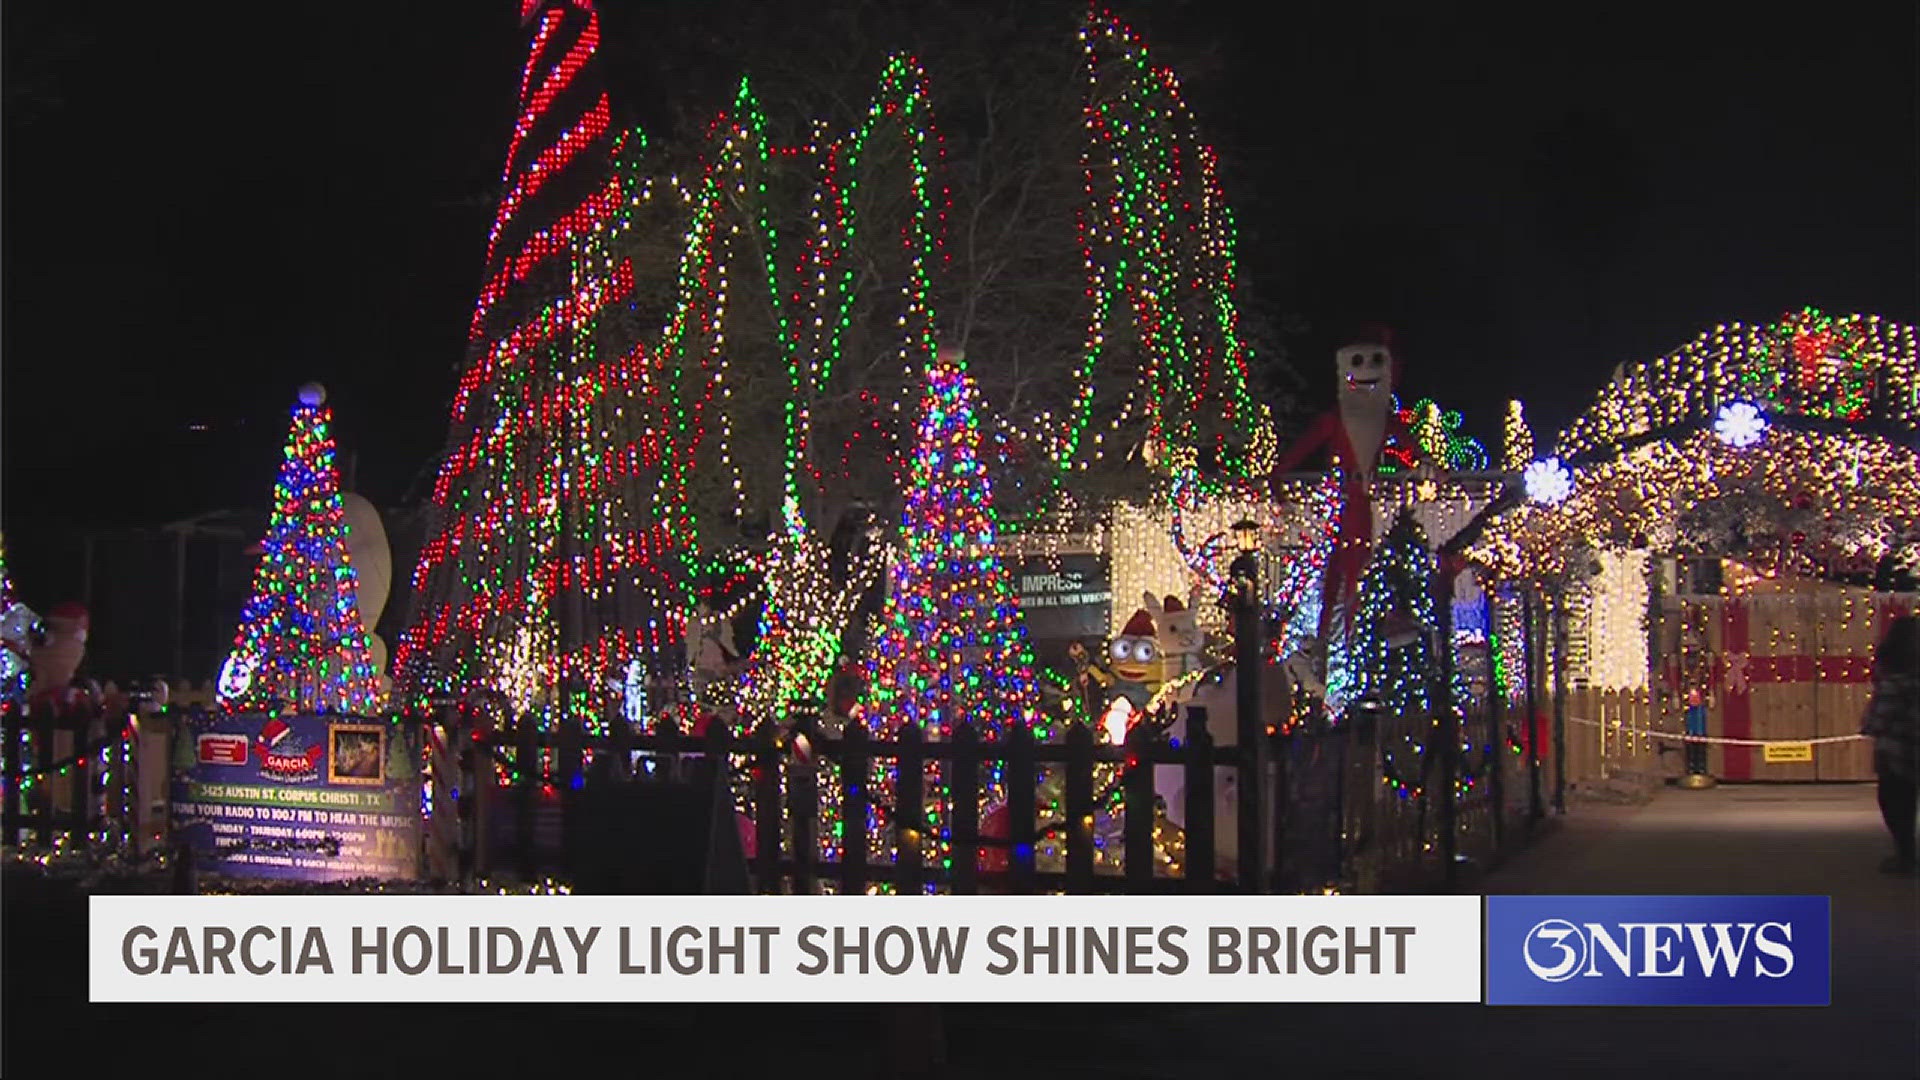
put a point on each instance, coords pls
(77, 778)
(1618, 734)
(1316, 800)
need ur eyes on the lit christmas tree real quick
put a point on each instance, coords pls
(301, 644)
(553, 573)
(950, 643)
(1388, 655)
(18, 627)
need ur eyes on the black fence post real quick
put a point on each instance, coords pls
(526, 761)
(1559, 701)
(569, 760)
(1496, 747)
(1020, 790)
(12, 727)
(1443, 703)
(1252, 842)
(619, 748)
(80, 794)
(1078, 826)
(963, 809)
(803, 803)
(1201, 860)
(854, 801)
(1536, 809)
(42, 803)
(766, 807)
(909, 808)
(1137, 787)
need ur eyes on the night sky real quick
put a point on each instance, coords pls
(205, 207)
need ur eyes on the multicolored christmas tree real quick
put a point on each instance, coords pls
(301, 644)
(950, 643)
(1389, 655)
(18, 626)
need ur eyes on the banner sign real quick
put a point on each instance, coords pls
(1063, 599)
(1658, 950)
(305, 798)
(679, 949)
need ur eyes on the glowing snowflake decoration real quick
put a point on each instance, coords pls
(1548, 482)
(1740, 424)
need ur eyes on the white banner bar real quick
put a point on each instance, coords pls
(784, 948)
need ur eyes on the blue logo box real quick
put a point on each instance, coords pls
(1659, 950)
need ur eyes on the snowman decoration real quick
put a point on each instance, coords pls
(372, 558)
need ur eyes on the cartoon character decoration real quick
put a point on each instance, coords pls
(1138, 669)
(1352, 434)
(1177, 632)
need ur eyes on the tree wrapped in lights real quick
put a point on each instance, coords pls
(18, 628)
(1516, 444)
(1390, 656)
(301, 644)
(555, 572)
(950, 643)
(810, 603)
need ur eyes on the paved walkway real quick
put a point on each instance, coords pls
(1823, 839)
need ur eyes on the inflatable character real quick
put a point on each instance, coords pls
(1352, 434)
(57, 658)
(1218, 693)
(372, 558)
(1137, 666)
(1178, 632)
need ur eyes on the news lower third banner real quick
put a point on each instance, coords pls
(784, 948)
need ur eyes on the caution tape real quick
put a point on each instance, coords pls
(1719, 741)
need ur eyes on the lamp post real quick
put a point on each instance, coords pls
(1244, 573)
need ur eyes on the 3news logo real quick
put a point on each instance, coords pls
(1658, 950)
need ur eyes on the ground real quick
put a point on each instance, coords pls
(1774, 839)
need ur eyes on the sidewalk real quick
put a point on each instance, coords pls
(1775, 839)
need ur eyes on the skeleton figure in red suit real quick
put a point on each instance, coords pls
(1352, 434)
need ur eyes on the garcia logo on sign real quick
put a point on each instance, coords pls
(1658, 950)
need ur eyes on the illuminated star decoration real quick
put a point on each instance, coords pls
(1740, 424)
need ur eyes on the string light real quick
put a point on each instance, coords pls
(300, 643)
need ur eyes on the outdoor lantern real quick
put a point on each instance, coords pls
(1246, 535)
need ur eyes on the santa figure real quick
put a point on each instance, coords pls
(56, 659)
(1352, 435)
